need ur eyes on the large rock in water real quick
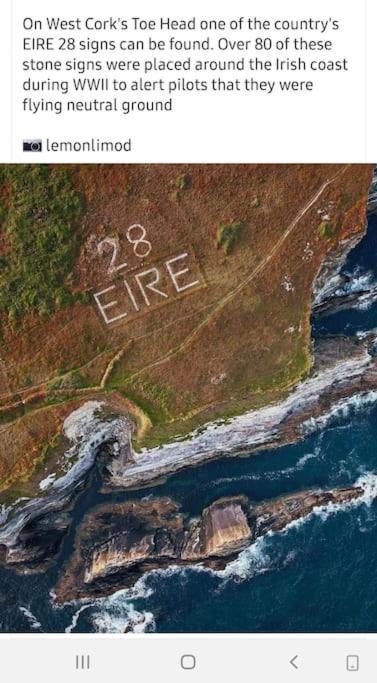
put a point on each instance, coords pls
(117, 544)
(222, 529)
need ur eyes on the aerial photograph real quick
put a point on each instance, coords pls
(188, 398)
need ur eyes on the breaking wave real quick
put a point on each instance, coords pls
(76, 618)
(123, 618)
(117, 613)
(356, 281)
(362, 283)
(256, 559)
(340, 411)
(353, 289)
(252, 561)
(269, 475)
(368, 482)
(32, 620)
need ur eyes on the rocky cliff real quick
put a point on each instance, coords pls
(333, 290)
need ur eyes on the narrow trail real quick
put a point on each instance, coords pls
(214, 308)
(257, 270)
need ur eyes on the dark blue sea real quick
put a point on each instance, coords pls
(319, 575)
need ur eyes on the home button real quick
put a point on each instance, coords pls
(188, 662)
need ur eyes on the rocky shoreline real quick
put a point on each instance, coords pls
(344, 370)
(360, 298)
(31, 532)
(117, 544)
(335, 291)
(31, 538)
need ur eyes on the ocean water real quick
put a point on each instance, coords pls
(361, 263)
(317, 575)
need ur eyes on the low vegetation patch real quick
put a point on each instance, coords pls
(179, 185)
(326, 230)
(40, 243)
(228, 234)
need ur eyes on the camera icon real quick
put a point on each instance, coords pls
(32, 145)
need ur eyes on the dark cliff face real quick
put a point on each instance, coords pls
(115, 545)
(372, 200)
(330, 290)
(38, 542)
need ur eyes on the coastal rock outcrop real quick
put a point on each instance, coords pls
(130, 534)
(38, 541)
(32, 530)
(116, 545)
(276, 515)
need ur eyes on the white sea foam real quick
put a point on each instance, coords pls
(33, 621)
(76, 617)
(121, 617)
(341, 410)
(115, 613)
(344, 284)
(368, 482)
(359, 281)
(252, 561)
(268, 475)
(256, 559)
